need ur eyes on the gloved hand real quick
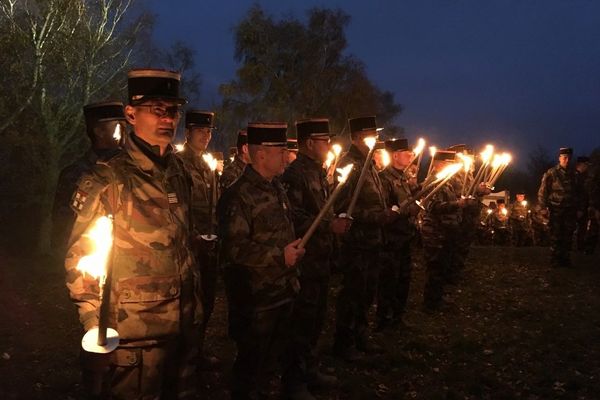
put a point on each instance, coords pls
(340, 226)
(389, 216)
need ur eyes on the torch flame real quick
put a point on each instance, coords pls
(343, 172)
(497, 161)
(211, 161)
(385, 158)
(504, 211)
(466, 160)
(100, 235)
(489, 211)
(487, 153)
(337, 149)
(524, 203)
(449, 171)
(432, 151)
(117, 133)
(370, 142)
(178, 147)
(506, 158)
(420, 146)
(330, 158)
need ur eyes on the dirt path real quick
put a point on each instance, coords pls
(514, 329)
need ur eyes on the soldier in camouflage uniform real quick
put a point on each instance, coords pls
(560, 195)
(499, 222)
(441, 226)
(307, 189)
(585, 224)
(198, 131)
(101, 120)
(258, 258)
(519, 220)
(153, 304)
(234, 170)
(361, 247)
(394, 279)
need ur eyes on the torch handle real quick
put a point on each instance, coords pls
(359, 184)
(313, 227)
(104, 307)
(436, 189)
(475, 182)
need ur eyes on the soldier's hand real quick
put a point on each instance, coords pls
(462, 202)
(339, 226)
(390, 216)
(95, 362)
(483, 189)
(414, 209)
(292, 253)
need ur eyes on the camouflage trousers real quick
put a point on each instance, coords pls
(439, 250)
(207, 260)
(360, 269)
(308, 319)
(260, 337)
(587, 233)
(394, 282)
(519, 233)
(562, 225)
(462, 246)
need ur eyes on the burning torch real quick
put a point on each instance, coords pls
(486, 156)
(417, 155)
(370, 142)
(432, 151)
(212, 200)
(342, 178)
(100, 339)
(442, 177)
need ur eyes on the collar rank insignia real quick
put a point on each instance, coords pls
(79, 200)
(172, 198)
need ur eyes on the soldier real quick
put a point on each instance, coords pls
(539, 227)
(394, 279)
(292, 147)
(101, 121)
(307, 188)
(259, 260)
(441, 225)
(153, 305)
(559, 196)
(360, 248)
(519, 220)
(499, 223)
(241, 159)
(583, 222)
(198, 132)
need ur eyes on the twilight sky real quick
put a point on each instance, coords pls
(517, 72)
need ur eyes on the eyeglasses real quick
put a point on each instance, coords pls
(323, 139)
(162, 111)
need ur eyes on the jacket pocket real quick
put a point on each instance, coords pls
(149, 307)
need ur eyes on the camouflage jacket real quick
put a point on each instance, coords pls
(518, 212)
(63, 216)
(366, 231)
(499, 220)
(231, 172)
(396, 190)
(559, 189)
(307, 189)
(255, 224)
(442, 216)
(150, 261)
(203, 198)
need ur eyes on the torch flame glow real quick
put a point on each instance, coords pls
(449, 171)
(370, 142)
(117, 133)
(178, 147)
(506, 158)
(432, 151)
(211, 161)
(420, 146)
(466, 160)
(524, 203)
(504, 211)
(343, 173)
(486, 154)
(489, 211)
(385, 158)
(100, 234)
(337, 149)
(330, 158)
(497, 161)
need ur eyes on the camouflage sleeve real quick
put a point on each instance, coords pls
(439, 204)
(368, 214)
(236, 235)
(542, 194)
(84, 289)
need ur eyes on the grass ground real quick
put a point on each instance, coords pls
(514, 329)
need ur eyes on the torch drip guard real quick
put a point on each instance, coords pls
(90, 341)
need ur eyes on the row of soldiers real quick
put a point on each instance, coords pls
(176, 229)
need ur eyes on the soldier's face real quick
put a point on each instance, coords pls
(563, 160)
(104, 134)
(154, 121)
(520, 197)
(275, 159)
(199, 138)
(319, 147)
(401, 158)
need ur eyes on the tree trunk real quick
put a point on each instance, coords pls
(44, 238)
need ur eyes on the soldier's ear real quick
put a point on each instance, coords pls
(130, 114)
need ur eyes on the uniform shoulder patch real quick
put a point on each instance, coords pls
(88, 189)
